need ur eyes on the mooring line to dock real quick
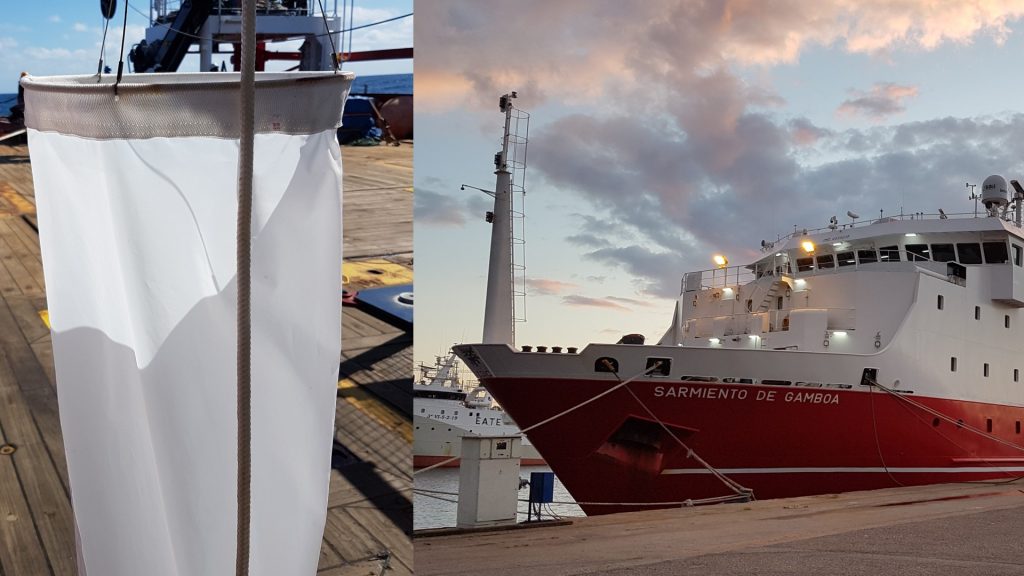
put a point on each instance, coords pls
(555, 417)
(741, 492)
(949, 419)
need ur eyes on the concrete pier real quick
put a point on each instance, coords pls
(961, 529)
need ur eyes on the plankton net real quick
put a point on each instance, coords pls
(136, 199)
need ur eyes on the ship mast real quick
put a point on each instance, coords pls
(499, 318)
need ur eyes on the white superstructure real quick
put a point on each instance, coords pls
(444, 411)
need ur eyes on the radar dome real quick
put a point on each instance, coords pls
(993, 192)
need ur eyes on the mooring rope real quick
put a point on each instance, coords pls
(243, 262)
(741, 492)
(546, 420)
(949, 419)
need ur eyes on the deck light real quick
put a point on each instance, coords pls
(808, 246)
(720, 261)
(839, 332)
(714, 340)
(910, 234)
(801, 283)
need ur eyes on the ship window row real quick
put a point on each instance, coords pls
(962, 252)
(984, 370)
(766, 382)
(940, 303)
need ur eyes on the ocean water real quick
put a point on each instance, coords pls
(436, 511)
(383, 84)
(8, 100)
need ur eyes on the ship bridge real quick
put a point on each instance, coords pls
(849, 288)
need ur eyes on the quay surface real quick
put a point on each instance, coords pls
(369, 523)
(962, 529)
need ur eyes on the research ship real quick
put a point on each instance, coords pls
(861, 355)
(444, 411)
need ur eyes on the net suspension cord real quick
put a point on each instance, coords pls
(335, 58)
(243, 262)
(120, 62)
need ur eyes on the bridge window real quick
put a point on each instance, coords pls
(918, 252)
(952, 363)
(969, 253)
(995, 252)
(1016, 375)
(867, 256)
(1006, 320)
(846, 259)
(889, 254)
(977, 312)
(825, 261)
(1018, 255)
(943, 253)
(804, 264)
(986, 370)
(941, 302)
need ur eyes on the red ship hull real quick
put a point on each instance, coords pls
(778, 441)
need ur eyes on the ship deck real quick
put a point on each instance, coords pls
(968, 529)
(369, 522)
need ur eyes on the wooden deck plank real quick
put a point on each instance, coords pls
(30, 261)
(22, 278)
(27, 317)
(38, 394)
(21, 551)
(352, 545)
(47, 500)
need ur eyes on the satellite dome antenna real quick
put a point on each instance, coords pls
(853, 217)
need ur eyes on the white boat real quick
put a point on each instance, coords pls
(444, 411)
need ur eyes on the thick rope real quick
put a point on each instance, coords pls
(741, 492)
(247, 93)
(949, 419)
(555, 417)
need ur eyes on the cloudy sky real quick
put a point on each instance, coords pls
(664, 131)
(64, 37)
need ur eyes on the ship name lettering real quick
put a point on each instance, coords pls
(492, 421)
(812, 397)
(699, 392)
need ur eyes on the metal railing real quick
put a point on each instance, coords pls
(860, 223)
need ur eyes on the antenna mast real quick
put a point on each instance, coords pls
(506, 281)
